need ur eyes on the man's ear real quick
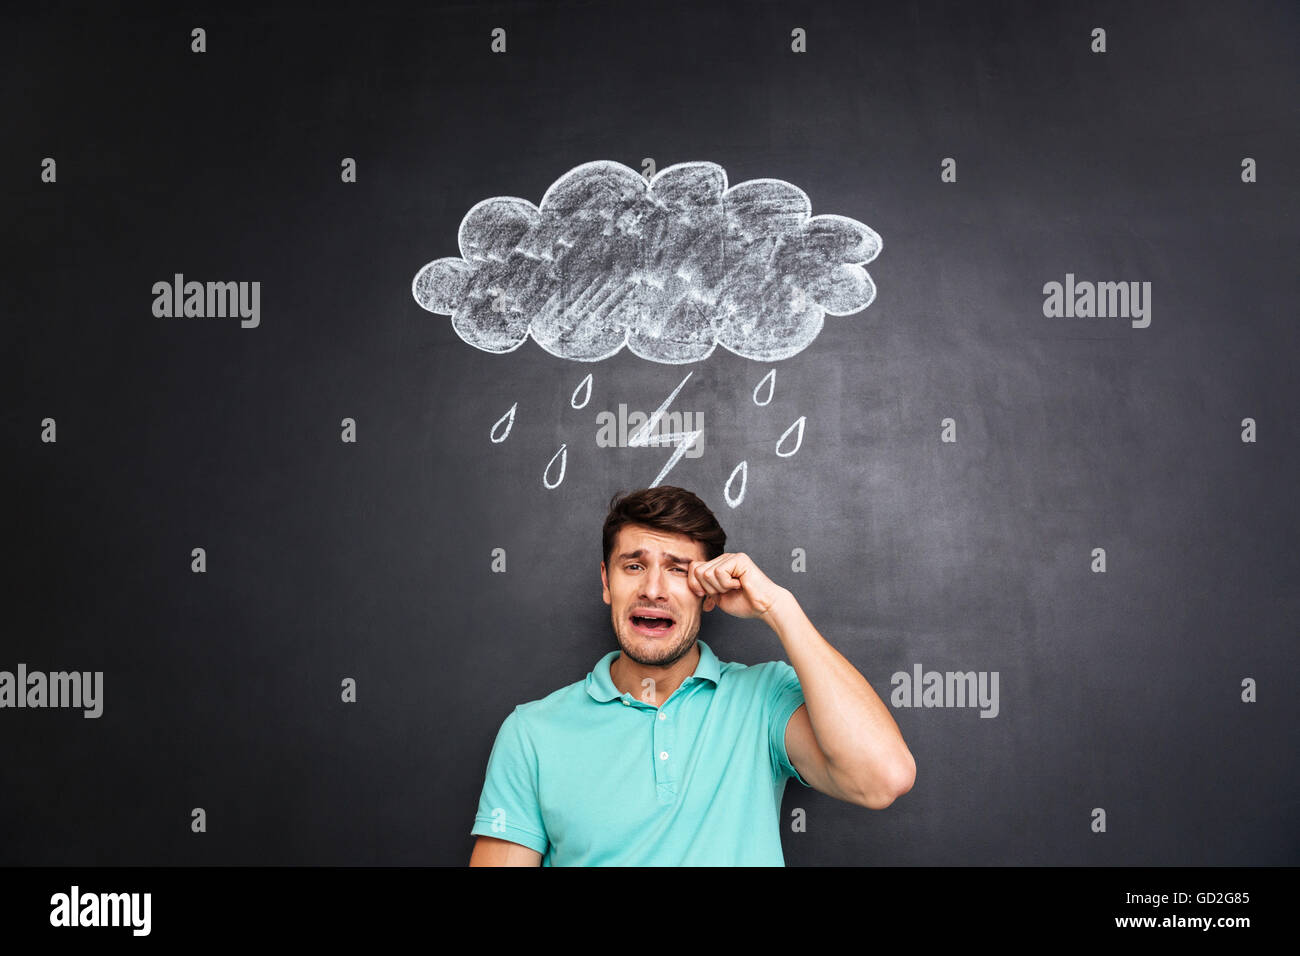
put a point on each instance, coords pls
(604, 585)
(710, 602)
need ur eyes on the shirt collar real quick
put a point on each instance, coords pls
(601, 686)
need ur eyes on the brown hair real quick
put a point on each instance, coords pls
(666, 508)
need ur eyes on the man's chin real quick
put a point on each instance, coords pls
(649, 655)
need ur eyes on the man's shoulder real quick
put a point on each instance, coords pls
(734, 676)
(758, 685)
(559, 703)
(760, 674)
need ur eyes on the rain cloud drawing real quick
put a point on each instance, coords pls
(671, 267)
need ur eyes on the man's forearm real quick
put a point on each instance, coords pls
(853, 726)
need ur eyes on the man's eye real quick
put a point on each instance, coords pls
(683, 570)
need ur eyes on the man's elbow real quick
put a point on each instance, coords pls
(891, 785)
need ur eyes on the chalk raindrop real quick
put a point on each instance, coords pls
(798, 442)
(741, 471)
(562, 457)
(586, 397)
(508, 420)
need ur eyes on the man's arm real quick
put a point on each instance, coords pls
(489, 851)
(843, 741)
(508, 804)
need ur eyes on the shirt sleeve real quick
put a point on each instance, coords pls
(508, 807)
(784, 697)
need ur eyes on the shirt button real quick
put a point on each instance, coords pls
(626, 703)
(663, 755)
(663, 716)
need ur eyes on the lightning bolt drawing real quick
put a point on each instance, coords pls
(641, 437)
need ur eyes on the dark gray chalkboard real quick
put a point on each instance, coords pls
(372, 559)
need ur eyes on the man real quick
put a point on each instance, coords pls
(663, 755)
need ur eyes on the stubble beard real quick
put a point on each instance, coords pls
(666, 656)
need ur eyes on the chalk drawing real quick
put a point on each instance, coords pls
(508, 420)
(562, 457)
(670, 268)
(798, 440)
(770, 380)
(585, 383)
(741, 470)
(641, 437)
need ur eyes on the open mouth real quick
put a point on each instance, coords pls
(651, 623)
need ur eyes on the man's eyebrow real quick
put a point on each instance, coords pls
(639, 552)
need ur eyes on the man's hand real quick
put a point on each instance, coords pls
(742, 589)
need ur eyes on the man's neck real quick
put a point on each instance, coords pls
(628, 676)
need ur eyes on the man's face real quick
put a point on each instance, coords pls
(656, 615)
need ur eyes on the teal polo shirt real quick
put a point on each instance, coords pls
(589, 776)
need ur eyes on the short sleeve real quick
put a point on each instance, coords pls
(508, 807)
(785, 696)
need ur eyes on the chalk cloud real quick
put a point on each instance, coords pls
(670, 268)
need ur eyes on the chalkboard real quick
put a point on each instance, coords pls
(981, 317)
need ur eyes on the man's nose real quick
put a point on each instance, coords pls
(655, 584)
